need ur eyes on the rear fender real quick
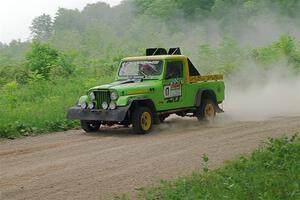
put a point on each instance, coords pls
(207, 94)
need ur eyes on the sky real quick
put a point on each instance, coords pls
(16, 15)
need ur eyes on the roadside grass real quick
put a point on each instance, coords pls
(42, 106)
(271, 172)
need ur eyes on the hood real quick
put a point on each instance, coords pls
(112, 85)
(130, 84)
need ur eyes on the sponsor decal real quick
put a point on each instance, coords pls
(172, 90)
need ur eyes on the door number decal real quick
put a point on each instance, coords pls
(172, 90)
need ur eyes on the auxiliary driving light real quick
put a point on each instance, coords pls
(91, 105)
(112, 105)
(104, 105)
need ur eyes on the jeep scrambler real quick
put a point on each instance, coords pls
(147, 90)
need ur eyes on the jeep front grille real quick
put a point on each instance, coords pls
(101, 96)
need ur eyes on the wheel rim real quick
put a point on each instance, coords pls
(146, 121)
(209, 111)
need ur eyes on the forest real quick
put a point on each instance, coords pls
(76, 49)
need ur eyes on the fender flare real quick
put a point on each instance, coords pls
(144, 102)
(207, 93)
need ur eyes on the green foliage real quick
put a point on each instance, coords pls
(46, 60)
(9, 73)
(226, 59)
(170, 9)
(229, 57)
(67, 19)
(205, 160)
(13, 53)
(230, 11)
(41, 105)
(165, 11)
(272, 172)
(34, 99)
(285, 48)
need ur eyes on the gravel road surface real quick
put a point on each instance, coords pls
(76, 165)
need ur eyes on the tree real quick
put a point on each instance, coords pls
(68, 19)
(42, 27)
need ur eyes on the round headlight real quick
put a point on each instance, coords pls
(104, 105)
(92, 96)
(83, 105)
(91, 105)
(114, 96)
(112, 105)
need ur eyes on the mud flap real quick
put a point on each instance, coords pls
(218, 109)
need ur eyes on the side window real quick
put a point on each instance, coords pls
(174, 69)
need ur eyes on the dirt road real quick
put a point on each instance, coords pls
(75, 165)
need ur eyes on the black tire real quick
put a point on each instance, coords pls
(142, 120)
(90, 126)
(206, 111)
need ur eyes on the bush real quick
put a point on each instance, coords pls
(46, 60)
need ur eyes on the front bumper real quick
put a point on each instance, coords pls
(116, 115)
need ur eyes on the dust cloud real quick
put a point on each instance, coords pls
(257, 94)
(253, 94)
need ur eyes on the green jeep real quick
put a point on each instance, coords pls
(147, 90)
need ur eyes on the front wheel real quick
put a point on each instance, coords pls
(142, 119)
(90, 126)
(206, 111)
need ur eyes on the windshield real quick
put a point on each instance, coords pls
(141, 68)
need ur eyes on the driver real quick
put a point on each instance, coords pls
(147, 69)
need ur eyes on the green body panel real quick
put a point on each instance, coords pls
(154, 89)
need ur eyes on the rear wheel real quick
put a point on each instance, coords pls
(142, 119)
(90, 126)
(206, 111)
